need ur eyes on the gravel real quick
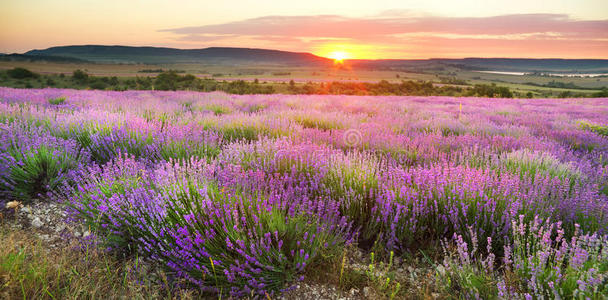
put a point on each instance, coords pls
(47, 220)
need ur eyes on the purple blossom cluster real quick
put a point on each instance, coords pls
(545, 262)
(33, 162)
(215, 236)
(240, 194)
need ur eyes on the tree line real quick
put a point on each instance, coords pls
(172, 81)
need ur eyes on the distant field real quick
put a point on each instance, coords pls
(585, 82)
(539, 86)
(241, 72)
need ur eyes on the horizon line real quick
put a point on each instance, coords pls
(300, 52)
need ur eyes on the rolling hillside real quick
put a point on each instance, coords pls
(151, 55)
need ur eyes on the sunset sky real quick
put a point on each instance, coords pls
(373, 29)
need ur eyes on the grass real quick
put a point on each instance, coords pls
(353, 182)
(30, 270)
(528, 164)
(218, 109)
(57, 101)
(311, 121)
(599, 129)
(39, 171)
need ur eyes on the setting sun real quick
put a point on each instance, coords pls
(338, 56)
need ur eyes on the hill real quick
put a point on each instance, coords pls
(247, 56)
(154, 55)
(40, 58)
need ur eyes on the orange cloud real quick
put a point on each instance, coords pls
(410, 36)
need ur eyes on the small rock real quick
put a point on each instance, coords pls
(441, 269)
(366, 291)
(13, 205)
(86, 233)
(26, 209)
(37, 223)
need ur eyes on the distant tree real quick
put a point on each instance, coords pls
(21, 73)
(166, 81)
(80, 76)
(602, 93)
(98, 84)
(113, 81)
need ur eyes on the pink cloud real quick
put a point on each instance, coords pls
(495, 35)
(338, 26)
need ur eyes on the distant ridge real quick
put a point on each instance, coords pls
(34, 58)
(242, 56)
(222, 55)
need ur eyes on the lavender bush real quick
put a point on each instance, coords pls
(35, 163)
(539, 263)
(242, 194)
(218, 238)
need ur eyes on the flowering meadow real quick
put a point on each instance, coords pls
(241, 195)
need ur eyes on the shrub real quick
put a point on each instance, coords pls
(310, 121)
(539, 262)
(57, 101)
(531, 164)
(601, 130)
(80, 76)
(107, 144)
(353, 181)
(98, 85)
(21, 73)
(222, 241)
(218, 109)
(35, 163)
(420, 205)
(38, 171)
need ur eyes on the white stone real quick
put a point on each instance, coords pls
(37, 223)
(366, 291)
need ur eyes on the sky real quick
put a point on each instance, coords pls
(412, 29)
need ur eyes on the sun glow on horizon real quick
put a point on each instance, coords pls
(340, 52)
(338, 56)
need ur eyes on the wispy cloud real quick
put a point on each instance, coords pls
(497, 36)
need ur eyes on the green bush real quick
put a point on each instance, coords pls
(601, 130)
(38, 171)
(80, 76)
(57, 101)
(21, 73)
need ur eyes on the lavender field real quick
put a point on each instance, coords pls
(244, 196)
